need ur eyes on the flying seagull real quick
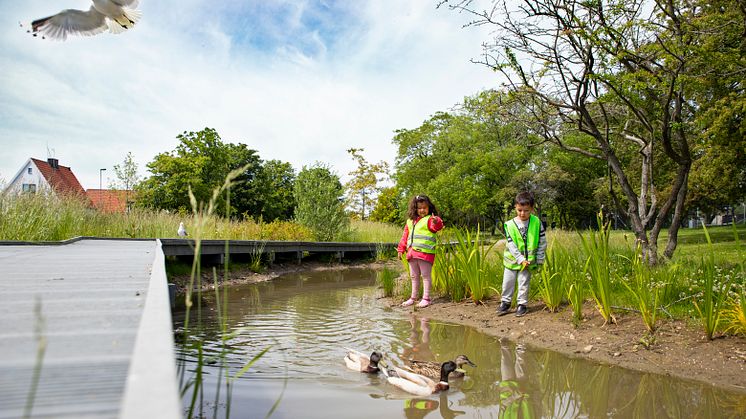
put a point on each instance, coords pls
(181, 231)
(114, 15)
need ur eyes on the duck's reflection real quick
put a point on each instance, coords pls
(420, 407)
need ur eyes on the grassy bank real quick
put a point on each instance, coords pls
(703, 283)
(43, 218)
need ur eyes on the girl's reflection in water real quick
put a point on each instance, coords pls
(419, 340)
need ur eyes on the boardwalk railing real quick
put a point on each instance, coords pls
(274, 249)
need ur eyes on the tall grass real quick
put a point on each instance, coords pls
(42, 217)
(386, 278)
(202, 217)
(575, 282)
(598, 266)
(551, 284)
(41, 348)
(714, 292)
(446, 280)
(734, 315)
(373, 232)
(470, 262)
(644, 289)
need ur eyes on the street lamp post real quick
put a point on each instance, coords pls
(100, 178)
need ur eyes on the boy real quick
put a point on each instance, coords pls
(524, 252)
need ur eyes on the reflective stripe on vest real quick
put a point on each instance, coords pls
(533, 230)
(420, 237)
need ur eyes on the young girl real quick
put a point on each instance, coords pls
(418, 241)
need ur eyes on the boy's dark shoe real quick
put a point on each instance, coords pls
(522, 310)
(503, 309)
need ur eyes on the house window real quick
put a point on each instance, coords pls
(29, 187)
(29, 170)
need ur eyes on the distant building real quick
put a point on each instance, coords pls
(39, 176)
(110, 200)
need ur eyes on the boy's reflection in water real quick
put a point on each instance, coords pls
(513, 402)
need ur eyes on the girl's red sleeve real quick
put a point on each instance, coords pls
(402, 248)
(435, 224)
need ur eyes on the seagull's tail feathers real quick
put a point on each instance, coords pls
(125, 21)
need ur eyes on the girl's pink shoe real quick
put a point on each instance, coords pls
(424, 303)
(408, 303)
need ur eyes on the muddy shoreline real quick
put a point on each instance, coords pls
(679, 349)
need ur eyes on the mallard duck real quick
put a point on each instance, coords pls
(358, 361)
(419, 384)
(432, 368)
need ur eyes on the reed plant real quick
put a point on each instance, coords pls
(255, 258)
(202, 216)
(551, 284)
(446, 280)
(40, 323)
(713, 292)
(405, 281)
(734, 315)
(575, 281)
(386, 279)
(598, 266)
(644, 289)
(470, 263)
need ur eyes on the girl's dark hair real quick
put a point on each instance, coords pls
(524, 198)
(412, 210)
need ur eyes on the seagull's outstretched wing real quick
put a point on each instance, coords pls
(71, 22)
(126, 3)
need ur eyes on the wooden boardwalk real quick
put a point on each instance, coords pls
(101, 306)
(105, 316)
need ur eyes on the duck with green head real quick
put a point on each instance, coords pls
(358, 361)
(419, 384)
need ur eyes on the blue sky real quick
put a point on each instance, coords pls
(298, 81)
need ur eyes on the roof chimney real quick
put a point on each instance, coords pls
(54, 163)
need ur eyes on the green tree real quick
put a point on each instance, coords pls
(201, 162)
(362, 188)
(388, 206)
(126, 178)
(718, 175)
(472, 161)
(247, 195)
(275, 182)
(621, 73)
(320, 202)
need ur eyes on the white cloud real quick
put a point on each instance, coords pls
(299, 90)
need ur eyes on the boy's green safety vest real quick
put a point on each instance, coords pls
(420, 237)
(532, 239)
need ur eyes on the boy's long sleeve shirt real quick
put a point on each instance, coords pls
(513, 248)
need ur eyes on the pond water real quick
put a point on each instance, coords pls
(306, 320)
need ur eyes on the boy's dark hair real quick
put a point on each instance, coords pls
(524, 198)
(412, 210)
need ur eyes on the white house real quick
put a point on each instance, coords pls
(44, 176)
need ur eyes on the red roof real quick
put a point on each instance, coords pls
(61, 178)
(109, 200)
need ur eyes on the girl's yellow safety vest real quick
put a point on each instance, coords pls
(420, 237)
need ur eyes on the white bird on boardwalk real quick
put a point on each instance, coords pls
(114, 15)
(181, 231)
